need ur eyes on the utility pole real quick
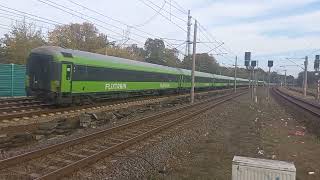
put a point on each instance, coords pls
(270, 64)
(285, 78)
(188, 35)
(254, 82)
(257, 73)
(254, 85)
(318, 91)
(250, 81)
(235, 75)
(269, 83)
(305, 81)
(193, 60)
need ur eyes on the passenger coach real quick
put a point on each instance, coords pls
(65, 76)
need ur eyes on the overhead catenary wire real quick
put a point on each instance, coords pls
(55, 5)
(128, 25)
(29, 14)
(12, 19)
(211, 38)
(154, 4)
(21, 14)
(125, 24)
(163, 16)
(5, 25)
(13, 14)
(152, 17)
(86, 16)
(6, 28)
(178, 7)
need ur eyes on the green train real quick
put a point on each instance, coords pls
(65, 76)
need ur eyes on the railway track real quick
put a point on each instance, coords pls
(299, 90)
(31, 108)
(56, 161)
(310, 107)
(22, 107)
(18, 106)
(18, 99)
(22, 102)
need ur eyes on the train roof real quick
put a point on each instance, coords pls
(87, 58)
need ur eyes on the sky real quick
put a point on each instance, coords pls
(270, 29)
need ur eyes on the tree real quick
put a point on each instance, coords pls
(157, 53)
(2, 55)
(17, 45)
(136, 52)
(85, 37)
(155, 50)
(312, 79)
(132, 52)
(204, 63)
(171, 57)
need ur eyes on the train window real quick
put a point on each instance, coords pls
(68, 74)
(108, 74)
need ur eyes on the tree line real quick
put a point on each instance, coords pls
(312, 79)
(16, 45)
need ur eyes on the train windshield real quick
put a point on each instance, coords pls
(39, 71)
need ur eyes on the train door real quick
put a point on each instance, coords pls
(66, 77)
(213, 83)
(180, 81)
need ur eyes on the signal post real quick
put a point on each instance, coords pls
(270, 64)
(316, 68)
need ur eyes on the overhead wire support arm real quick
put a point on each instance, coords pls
(290, 59)
(215, 47)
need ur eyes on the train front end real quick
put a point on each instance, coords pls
(41, 76)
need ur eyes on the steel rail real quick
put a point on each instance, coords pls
(53, 148)
(18, 103)
(49, 110)
(97, 156)
(37, 153)
(301, 103)
(7, 100)
(23, 107)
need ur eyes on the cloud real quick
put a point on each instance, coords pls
(265, 27)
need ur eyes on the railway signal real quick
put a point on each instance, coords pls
(247, 59)
(253, 64)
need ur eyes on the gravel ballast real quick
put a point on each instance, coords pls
(204, 147)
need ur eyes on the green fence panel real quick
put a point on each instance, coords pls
(12, 80)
